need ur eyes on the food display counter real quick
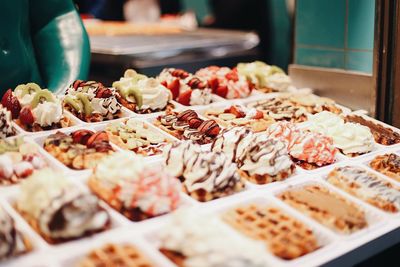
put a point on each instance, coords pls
(219, 167)
(186, 49)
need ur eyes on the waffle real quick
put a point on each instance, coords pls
(108, 196)
(140, 143)
(204, 196)
(266, 179)
(187, 125)
(388, 164)
(168, 130)
(382, 135)
(35, 225)
(327, 208)
(284, 236)
(112, 255)
(176, 257)
(228, 119)
(366, 186)
(35, 127)
(281, 109)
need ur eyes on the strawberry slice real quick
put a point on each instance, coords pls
(6, 99)
(26, 116)
(259, 115)
(164, 83)
(213, 83)
(237, 112)
(184, 98)
(232, 75)
(174, 87)
(222, 91)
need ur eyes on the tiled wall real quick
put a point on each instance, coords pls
(335, 33)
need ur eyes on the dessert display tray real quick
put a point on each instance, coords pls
(383, 228)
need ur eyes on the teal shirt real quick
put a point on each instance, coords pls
(42, 41)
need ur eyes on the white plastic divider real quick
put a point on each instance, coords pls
(152, 114)
(125, 113)
(74, 120)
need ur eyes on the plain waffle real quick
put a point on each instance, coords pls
(284, 236)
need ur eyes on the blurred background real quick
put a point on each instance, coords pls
(315, 41)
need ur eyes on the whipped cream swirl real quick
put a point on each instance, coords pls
(234, 143)
(348, 137)
(137, 185)
(267, 157)
(209, 171)
(47, 113)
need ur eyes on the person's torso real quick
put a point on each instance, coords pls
(17, 57)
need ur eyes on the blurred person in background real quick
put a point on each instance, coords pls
(42, 41)
(132, 10)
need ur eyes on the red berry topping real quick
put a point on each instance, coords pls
(26, 116)
(174, 87)
(184, 98)
(222, 91)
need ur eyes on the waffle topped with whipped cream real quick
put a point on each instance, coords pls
(205, 175)
(91, 101)
(35, 109)
(260, 159)
(142, 94)
(187, 89)
(137, 191)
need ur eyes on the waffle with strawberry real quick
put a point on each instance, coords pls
(35, 109)
(186, 88)
(18, 160)
(187, 125)
(135, 190)
(226, 82)
(92, 102)
(79, 150)
(238, 115)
